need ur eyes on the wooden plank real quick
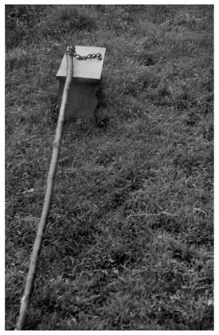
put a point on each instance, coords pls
(88, 70)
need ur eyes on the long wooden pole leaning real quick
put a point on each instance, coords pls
(48, 196)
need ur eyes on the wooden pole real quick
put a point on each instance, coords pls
(48, 196)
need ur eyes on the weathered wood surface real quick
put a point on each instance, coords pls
(89, 70)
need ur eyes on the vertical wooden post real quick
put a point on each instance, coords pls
(25, 301)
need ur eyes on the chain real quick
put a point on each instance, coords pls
(89, 56)
(71, 51)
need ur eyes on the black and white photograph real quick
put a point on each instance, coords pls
(109, 167)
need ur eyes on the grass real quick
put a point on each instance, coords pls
(129, 239)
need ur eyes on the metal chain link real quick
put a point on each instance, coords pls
(89, 56)
(71, 51)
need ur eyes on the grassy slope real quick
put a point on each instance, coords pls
(129, 240)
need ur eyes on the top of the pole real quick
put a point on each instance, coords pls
(70, 50)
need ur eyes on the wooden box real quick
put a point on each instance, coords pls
(86, 81)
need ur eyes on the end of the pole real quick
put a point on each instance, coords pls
(70, 50)
(23, 313)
